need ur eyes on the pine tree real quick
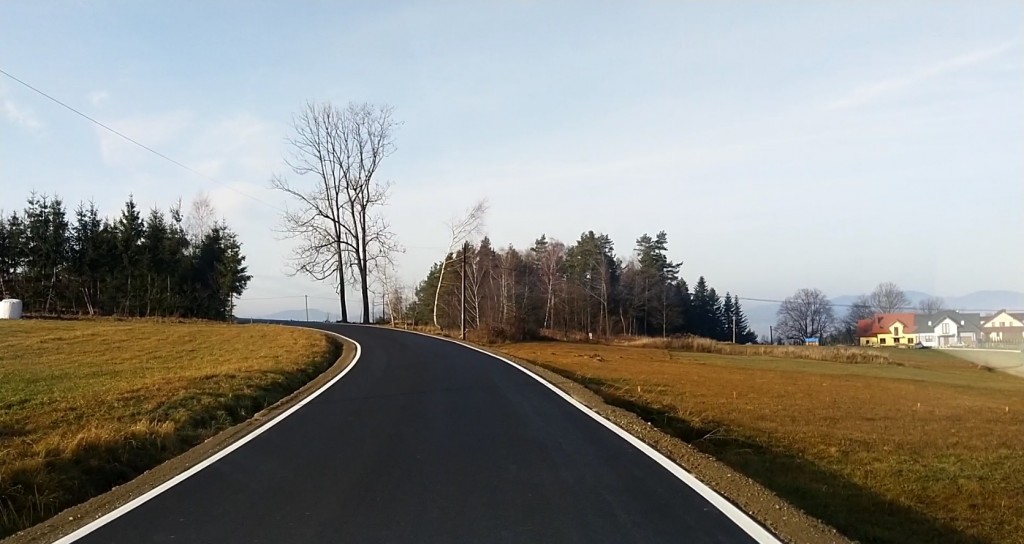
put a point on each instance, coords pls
(726, 320)
(129, 230)
(683, 307)
(88, 261)
(131, 267)
(715, 315)
(743, 333)
(155, 261)
(17, 258)
(657, 274)
(219, 273)
(7, 249)
(701, 316)
(421, 309)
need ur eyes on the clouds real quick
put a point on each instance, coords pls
(231, 149)
(879, 89)
(152, 130)
(18, 114)
(98, 98)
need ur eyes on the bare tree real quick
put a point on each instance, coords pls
(550, 257)
(806, 314)
(931, 305)
(391, 289)
(338, 223)
(888, 298)
(859, 310)
(201, 218)
(366, 140)
(460, 230)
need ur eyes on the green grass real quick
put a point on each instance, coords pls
(87, 405)
(925, 447)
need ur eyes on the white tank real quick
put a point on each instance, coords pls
(10, 308)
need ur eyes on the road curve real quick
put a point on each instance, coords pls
(427, 441)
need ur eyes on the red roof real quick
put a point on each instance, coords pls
(880, 324)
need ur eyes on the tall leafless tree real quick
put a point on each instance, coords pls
(931, 305)
(201, 218)
(460, 229)
(806, 314)
(888, 298)
(550, 263)
(338, 224)
(858, 310)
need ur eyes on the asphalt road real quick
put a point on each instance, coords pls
(426, 441)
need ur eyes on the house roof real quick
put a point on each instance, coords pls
(1019, 316)
(966, 322)
(880, 324)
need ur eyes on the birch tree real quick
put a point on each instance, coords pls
(460, 230)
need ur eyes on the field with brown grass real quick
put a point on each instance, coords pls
(87, 405)
(891, 446)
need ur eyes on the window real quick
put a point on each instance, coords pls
(881, 340)
(895, 331)
(895, 340)
(945, 328)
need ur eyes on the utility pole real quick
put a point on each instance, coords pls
(771, 335)
(465, 249)
(734, 329)
(307, 307)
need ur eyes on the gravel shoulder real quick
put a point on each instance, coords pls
(81, 515)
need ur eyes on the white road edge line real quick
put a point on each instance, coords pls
(737, 516)
(138, 501)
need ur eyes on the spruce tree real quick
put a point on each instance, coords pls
(726, 319)
(743, 333)
(129, 230)
(703, 317)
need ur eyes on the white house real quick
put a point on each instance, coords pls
(948, 328)
(1004, 327)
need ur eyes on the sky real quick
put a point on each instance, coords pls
(780, 145)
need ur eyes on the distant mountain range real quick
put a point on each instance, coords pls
(300, 315)
(761, 316)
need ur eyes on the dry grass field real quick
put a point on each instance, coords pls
(892, 446)
(87, 405)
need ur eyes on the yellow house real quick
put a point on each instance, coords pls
(887, 330)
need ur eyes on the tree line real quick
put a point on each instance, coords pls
(582, 287)
(809, 313)
(157, 265)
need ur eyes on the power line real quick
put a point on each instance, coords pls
(136, 142)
